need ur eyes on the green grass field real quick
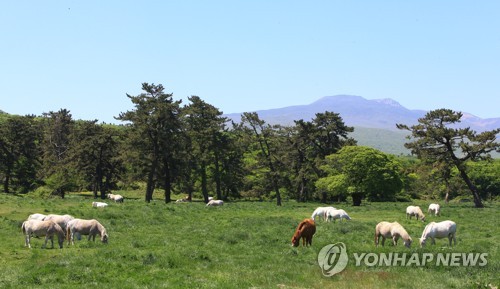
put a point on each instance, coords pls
(240, 245)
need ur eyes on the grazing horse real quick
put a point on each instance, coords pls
(434, 208)
(305, 230)
(185, 199)
(337, 214)
(415, 211)
(215, 203)
(37, 216)
(321, 212)
(116, 198)
(444, 229)
(391, 230)
(61, 220)
(42, 228)
(99, 204)
(86, 227)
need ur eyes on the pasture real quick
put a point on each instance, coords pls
(238, 245)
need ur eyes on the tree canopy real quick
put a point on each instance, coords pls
(437, 139)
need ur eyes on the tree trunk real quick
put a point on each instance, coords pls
(217, 173)
(477, 199)
(204, 189)
(168, 184)
(324, 195)
(278, 196)
(6, 184)
(447, 196)
(94, 188)
(356, 199)
(151, 183)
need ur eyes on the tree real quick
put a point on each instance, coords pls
(19, 155)
(364, 171)
(205, 128)
(94, 154)
(435, 140)
(264, 135)
(57, 129)
(154, 125)
(310, 142)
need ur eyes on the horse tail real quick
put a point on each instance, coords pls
(68, 233)
(23, 227)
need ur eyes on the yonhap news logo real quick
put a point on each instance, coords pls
(333, 259)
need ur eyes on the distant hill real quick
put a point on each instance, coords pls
(374, 120)
(358, 111)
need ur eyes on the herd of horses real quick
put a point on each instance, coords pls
(65, 226)
(385, 230)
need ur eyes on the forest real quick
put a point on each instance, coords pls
(167, 147)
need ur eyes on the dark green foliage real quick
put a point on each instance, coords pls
(19, 155)
(56, 171)
(205, 128)
(95, 156)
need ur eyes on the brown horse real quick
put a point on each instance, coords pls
(305, 230)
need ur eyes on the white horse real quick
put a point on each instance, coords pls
(86, 227)
(444, 229)
(391, 230)
(99, 204)
(61, 220)
(337, 214)
(37, 216)
(117, 198)
(434, 208)
(42, 228)
(215, 203)
(415, 211)
(321, 212)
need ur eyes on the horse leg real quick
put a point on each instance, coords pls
(45, 243)
(27, 241)
(433, 241)
(452, 236)
(395, 240)
(383, 241)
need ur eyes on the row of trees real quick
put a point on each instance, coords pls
(194, 149)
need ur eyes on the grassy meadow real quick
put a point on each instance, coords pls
(240, 245)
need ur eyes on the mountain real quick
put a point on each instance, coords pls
(360, 112)
(374, 120)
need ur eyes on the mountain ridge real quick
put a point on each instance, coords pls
(358, 111)
(374, 121)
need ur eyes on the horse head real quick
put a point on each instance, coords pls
(104, 238)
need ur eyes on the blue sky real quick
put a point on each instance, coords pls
(248, 55)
